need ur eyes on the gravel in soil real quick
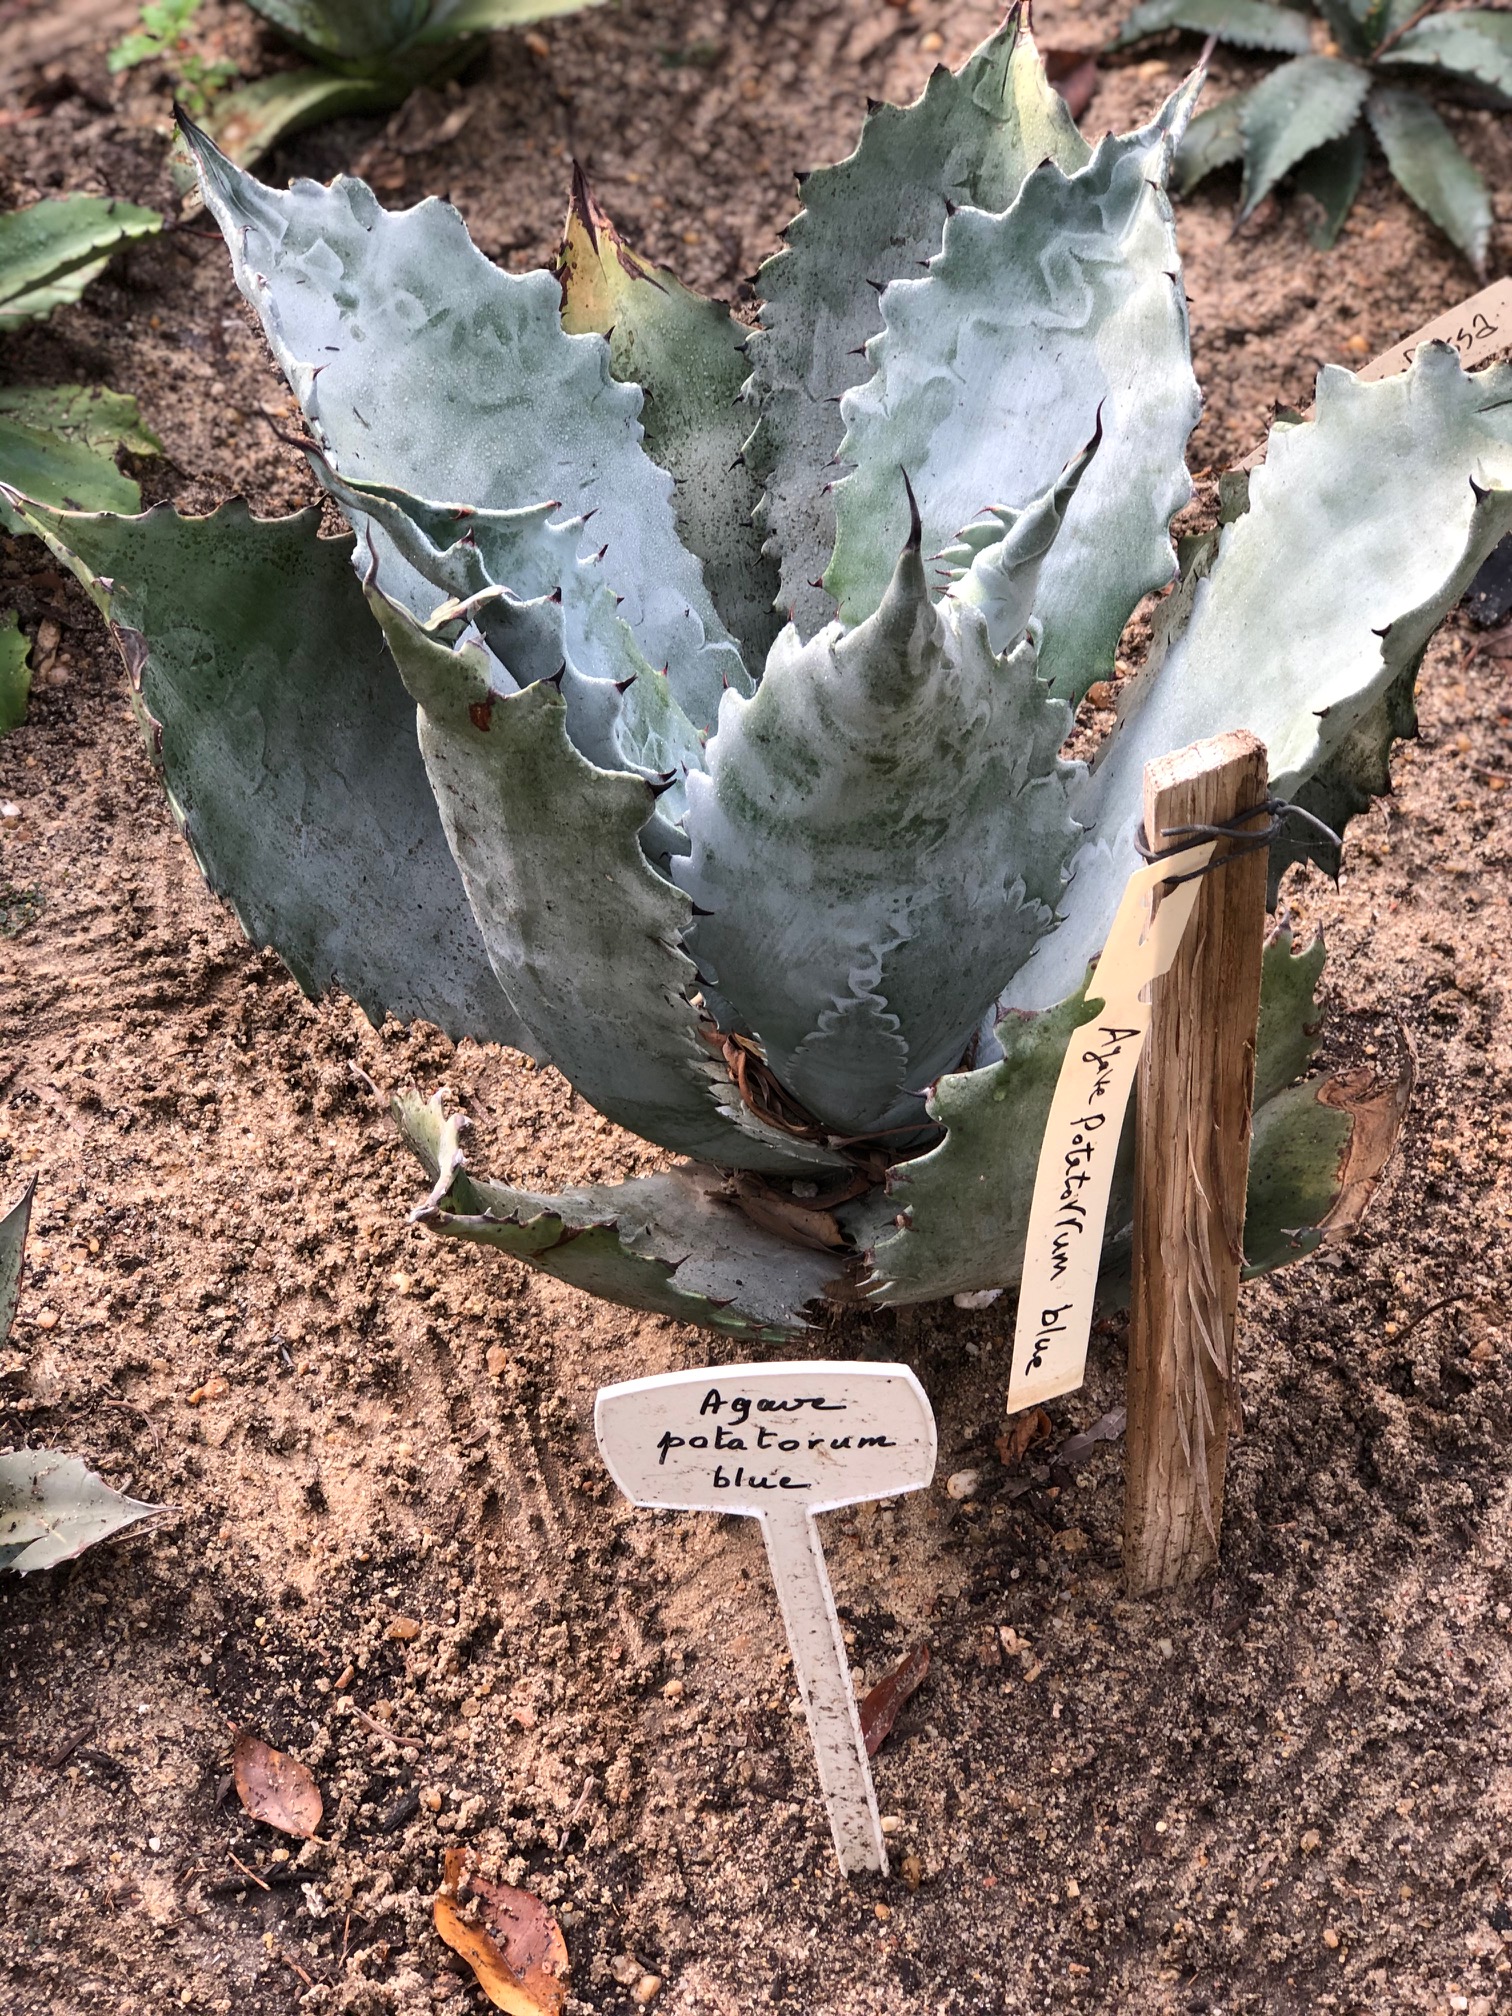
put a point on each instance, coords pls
(396, 1553)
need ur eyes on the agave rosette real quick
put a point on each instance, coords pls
(738, 790)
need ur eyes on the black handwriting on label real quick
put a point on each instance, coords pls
(724, 1483)
(768, 1438)
(1050, 1327)
(740, 1405)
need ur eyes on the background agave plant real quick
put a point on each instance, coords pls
(806, 892)
(367, 56)
(1309, 117)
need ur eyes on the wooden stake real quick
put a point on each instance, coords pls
(1196, 1080)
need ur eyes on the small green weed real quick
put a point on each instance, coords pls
(164, 37)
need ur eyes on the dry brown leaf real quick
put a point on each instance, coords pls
(275, 1788)
(515, 1947)
(880, 1709)
(1378, 1107)
(1020, 1436)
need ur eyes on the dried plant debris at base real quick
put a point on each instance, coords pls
(1317, 1733)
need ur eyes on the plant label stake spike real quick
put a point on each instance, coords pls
(780, 1443)
(1196, 1077)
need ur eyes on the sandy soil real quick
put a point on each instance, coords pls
(1289, 1790)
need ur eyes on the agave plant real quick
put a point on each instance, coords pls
(1310, 116)
(365, 56)
(688, 706)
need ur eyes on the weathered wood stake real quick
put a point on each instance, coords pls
(1196, 1080)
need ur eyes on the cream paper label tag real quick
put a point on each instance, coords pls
(1069, 1209)
(1480, 329)
(780, 1443)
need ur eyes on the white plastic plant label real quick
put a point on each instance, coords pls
(1074, 1178)
(780, 1443)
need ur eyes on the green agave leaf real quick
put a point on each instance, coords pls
(1289, 1012)
(52, 1509)
(50, 252)
(351, 30)
(1365, 526)
(1297, 1155)
(246, 122)
(1299, 1143)
(1349, 21)
(967, 1202)
(854, 926)
(58, 443)
(971, 138)
(688, 355)
(13, 1230)
(1426, 159)
(450, 18)
(1332, 176)
(1475, 42)
(15, 678)
(672, 1243)
(1214, 139)
(582, 931)
(288, 748)
(411, 354)
(1297, 108)
(1250, 24)
(972, 400)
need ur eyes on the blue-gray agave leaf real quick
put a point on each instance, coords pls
(675, 1243)
(875, 217)
(412, 355)
(1365, 526)
(582, 931)
(542, 611)
(879, 841)
(985, 387)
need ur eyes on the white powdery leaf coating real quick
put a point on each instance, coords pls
(1364, 529)
(879, 839)
(419, 363)
(994, 370)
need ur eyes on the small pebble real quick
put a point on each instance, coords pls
(431, 1798)
(883, 1911)
(403, 1629)
(795, 1708)
(1330, 1938)
(647, 1988)
(497, 1360)
(1310, 1840)
(963, 1484)
(673, 1691)
(891, 1824)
